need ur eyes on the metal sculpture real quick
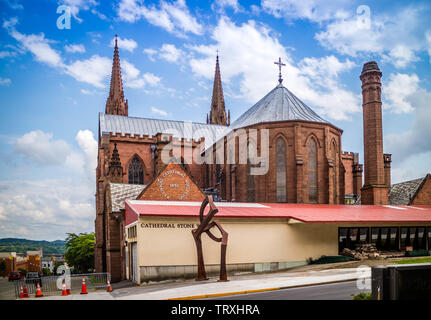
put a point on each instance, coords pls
(205, 226)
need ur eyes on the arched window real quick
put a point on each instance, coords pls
(280, 177)
(136, 171)
(312, 171)
(334, 176)
(250, 177)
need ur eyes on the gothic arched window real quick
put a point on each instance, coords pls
(280, 177)
(334, 176)
(312, 171)
(136, 171)
(250, 177)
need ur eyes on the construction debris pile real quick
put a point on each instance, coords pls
(363, 251)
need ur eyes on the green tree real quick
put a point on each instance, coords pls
(46, 272)
(79, 253)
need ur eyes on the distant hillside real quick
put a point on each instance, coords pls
(24, 245)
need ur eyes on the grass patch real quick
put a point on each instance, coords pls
(417, 260)
(362, 296)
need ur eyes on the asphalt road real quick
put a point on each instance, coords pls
(7, 289)
(335, 291)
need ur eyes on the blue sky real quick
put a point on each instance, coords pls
(54, 82)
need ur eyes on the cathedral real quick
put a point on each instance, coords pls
(305, 162)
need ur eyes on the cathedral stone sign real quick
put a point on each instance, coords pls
(172, 187)
(172, 183)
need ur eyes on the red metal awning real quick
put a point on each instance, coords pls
(308, 213)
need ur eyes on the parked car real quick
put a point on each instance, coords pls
(33, 277)
(14, 276)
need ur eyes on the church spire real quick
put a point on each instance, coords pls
(218, 112)
(115, 103)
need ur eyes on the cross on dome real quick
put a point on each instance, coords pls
(280, 64)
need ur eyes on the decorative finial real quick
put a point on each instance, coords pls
(116, 39)
(280, 64)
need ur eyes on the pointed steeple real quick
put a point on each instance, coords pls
(218, 111)
(115, 169)
(116, 103)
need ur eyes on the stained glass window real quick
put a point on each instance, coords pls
(312, 171)
(136, 171)
(281, 170)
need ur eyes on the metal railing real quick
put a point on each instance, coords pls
(53, 285)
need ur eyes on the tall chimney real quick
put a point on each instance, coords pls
(375, 189)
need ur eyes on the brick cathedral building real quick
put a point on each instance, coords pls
(305, 164)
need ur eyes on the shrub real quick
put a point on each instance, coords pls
(417, 253)
(362, 296)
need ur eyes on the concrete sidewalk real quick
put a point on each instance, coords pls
(237, 285)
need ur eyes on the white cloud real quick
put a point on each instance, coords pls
(72, 48)
(412, 149)
(173, 17)
(88, 146)
(93, 70)
(401, 56)
(220, 5)
(132, 78)
(91, 92)
(49, 208)
(78, 5)
(252, 48)
(5, 81)
(41, 148)
(412, 167)
(14, 4)
(397, 91)
(313, 10)
(397, 36)
(170, 53)
(38, 45)
(151, 79)
(126, 44)
(7, 54)
(428, 43)
(151, 53)
(2, 216)
(46, 209)
(160, 112)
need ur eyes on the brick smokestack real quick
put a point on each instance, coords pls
(375, 189)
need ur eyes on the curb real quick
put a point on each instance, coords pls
(214, 295)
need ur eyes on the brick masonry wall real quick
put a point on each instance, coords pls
(423, 197)
(347, 159)
(296, 135)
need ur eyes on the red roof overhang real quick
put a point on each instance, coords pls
(307, 213)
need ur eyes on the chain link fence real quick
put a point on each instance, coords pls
(53, 285)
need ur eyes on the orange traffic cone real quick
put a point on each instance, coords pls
(25, 291)
(38, 291)
(64, 291)
(109, 288)
(21, 293)
(84, 287)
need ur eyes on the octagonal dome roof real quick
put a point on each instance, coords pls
(278, 105)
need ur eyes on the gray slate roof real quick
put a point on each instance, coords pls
(400, 194)
(278, 105)
(144, 126)
(123, 191)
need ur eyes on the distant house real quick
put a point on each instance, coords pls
(35, 253)
(48, 263)
(413, 192)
